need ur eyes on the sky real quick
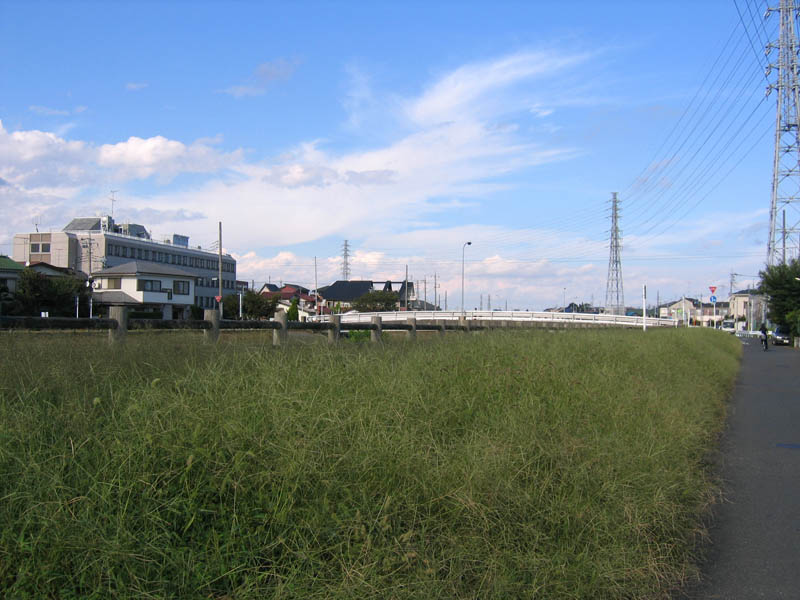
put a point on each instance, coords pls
(407, 128)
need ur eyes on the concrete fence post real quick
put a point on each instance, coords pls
(335, 330)
(281, 336)
(411, 334)
(442, 324)
(120, 315)
(211, 336)
(375, 334)
(463, 323)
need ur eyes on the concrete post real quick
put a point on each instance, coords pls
(411, 335)
(375, 334)
(120, 315)
(211, 336)
(281, 336)
(462, 321)
(442, 327)
(166, 312)
(333, 333)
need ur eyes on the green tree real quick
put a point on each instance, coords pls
(255, 306)
(56, 295)
(779, 283)
(376, 301)
(293, 314)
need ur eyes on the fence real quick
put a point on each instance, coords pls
(118, 324)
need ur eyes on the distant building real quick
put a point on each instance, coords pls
(344, 293)
(90, 245)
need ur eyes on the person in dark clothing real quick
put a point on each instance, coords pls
(764, 339)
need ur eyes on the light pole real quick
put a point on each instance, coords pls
(463, 248)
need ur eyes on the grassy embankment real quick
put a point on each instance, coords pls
(507, 465)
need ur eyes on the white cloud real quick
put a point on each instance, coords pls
(463, 90)
(135, 87)
(140, 158)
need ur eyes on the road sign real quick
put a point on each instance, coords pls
(713, 299)
(218, 298)
(713, 289)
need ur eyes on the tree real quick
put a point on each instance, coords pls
(255, 306)
(55, 295)
(293, 314)
(779, 283)
(376, 301)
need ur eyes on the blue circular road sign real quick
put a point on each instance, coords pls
(713, 299)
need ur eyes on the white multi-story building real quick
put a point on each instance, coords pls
(91, 244)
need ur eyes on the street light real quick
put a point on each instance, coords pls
(463, 248)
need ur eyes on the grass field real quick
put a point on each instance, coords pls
(502, 465)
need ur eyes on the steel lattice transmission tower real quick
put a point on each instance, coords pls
(615, 299)
(346, 261)
(786, 167)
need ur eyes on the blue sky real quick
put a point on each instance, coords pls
(406, 128)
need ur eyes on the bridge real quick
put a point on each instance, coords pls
(543, 319)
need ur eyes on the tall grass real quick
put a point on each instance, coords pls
(503, 465)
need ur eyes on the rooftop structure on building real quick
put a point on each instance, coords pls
(93, 244)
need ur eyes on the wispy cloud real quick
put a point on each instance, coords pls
(135, 86)
(50, 112)
(264, 75)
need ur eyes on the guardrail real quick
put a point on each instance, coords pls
(500, 315)
(118, 324)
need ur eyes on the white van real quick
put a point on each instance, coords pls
(729, 325)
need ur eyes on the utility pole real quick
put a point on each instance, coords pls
(220, 269)
(406, 288)
(316, 289)
(435, 286)
(481, 304)
(445, 299)
(425, 296)
(785, 172)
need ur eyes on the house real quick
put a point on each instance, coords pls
(146, 285)
(344, 293)
(289, 292)
(89, 245)
(680, 310)
(712, 314)
(10, 271)
(748, 306)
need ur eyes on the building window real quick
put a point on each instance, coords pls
(180, 287)
(45, 247)
(114, 283)
(148, 285)
(34, 248)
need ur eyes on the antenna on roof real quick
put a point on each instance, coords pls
(36, 221)
(113, 200)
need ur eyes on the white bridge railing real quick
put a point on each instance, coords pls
(503, 315)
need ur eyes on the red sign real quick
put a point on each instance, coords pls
(219, 298)
(713, 288)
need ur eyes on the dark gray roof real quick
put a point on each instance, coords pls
(83, 224)
(345, 291)
(269, 287)
(137, 267)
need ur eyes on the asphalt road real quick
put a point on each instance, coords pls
(754, 551)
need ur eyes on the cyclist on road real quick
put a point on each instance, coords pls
(764, 339)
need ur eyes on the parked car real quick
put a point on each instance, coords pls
(781, 336)
(729, 326)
